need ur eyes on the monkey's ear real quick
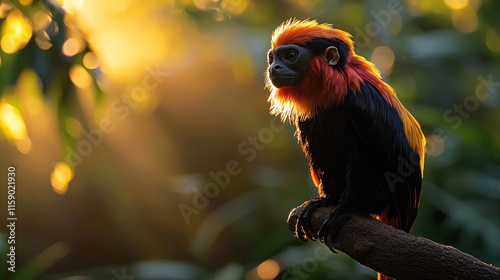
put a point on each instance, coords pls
(331, 55)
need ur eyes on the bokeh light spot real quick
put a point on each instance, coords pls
(42, 40)
(9, 44)
(90, 60)
(79, 76)
(268, 269)
(383, 58)
(71, 47)
(24, 145)
(25, 2)
(435, 145)
(16, 31)
(456, 4)
(12, 122)
(493, 40)
(60, 177)
(40, 20)
(396, 24)
(465, 20)
(69, 21)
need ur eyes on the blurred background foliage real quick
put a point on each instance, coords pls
(144, 148)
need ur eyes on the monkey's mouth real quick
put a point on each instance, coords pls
(283, 80)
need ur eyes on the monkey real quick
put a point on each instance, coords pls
(365, 150)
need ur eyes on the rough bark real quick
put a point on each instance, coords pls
(398, 254)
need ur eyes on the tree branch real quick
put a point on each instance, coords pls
(398, 254)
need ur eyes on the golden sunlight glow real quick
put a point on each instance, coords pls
(128, 42)
(268, 269)
(122, 53)
(11, 122)
(25, 2)
(72, 46)
(60, 177)
(70, 6)
(456, 4)
(465, 20)
(383, 58)
(140, 96)
(16, 32)
(122, 6)
(79, 76)
(493, 40)
(90, 60)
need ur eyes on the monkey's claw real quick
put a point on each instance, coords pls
(303, 228)
(331, 226)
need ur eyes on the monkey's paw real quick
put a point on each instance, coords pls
(331, 225)
(299, 219)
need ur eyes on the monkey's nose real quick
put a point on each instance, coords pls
(277, 65)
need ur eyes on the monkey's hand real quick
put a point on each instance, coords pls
(332, 224)
(299, 218)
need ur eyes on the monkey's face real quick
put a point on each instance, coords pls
(287, 65)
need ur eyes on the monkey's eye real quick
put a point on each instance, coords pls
(292, 55)
(270, 58)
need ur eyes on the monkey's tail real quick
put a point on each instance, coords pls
(383, 277)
